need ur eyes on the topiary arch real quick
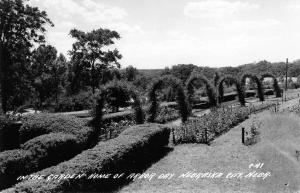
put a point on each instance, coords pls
(260, 92)
(211, 93)
(239, 88)
(275, 83)
(98, 113)
(169, 80)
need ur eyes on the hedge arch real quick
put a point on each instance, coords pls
(277, 89)
(98, 111)
(210, 90)
(184, 109)
(239, 88)
(260, 91)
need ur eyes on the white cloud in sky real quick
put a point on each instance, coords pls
(88, 10)
(217, 9)
(207, 32)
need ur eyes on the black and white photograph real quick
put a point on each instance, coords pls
(141, 96)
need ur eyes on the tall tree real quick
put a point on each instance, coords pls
(43, 71)
(58, 72)
(130, 73)
(89, 49)
(20, 26)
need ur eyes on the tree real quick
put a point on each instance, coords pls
(130, 73)
(58, 72)
(42, 69)
(182, 71)
(20, 26)
(88, 50)
(117, 94)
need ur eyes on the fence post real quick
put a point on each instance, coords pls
(205, 135)
(110, 131)
(173, 138)
(243, 135)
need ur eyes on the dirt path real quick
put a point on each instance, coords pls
(226, 154)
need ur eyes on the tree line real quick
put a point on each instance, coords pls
(33, 73)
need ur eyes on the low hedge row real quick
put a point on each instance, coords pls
(209, 126)
(128, 153)
(40, 124)
(36, 154)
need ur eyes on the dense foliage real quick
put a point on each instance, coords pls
(259, 87)
(183, 105)
(238, 85)
(128, 153)
(207, 127)
(210, 89)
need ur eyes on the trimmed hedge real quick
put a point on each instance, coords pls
(8, 132)
(127, 153)
(40, 124)
(174, 83)
(36, 154)
(207, 127)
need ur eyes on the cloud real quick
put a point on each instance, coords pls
(88, 10)
(217, 9)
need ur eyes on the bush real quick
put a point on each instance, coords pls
(12, 163)
(38, 153)
(113, 129)
(210, 88)
(207, 127)
(117, 94)
(127, 153)
(39, 124)
(183, 106)
(9, 131)
(82, 101)
(166, 114)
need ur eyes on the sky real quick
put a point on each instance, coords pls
(160, 33)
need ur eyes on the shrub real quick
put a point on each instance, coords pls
(113, 129)
(9, 131)
(277, 89)
(98, 118)
(12, 163)
(183, 105)
(205, 128)
(35, 154)
(166, 114)
(52, 148)
(117, 94)
(210, 90)
(239, 88)
(260, 92)
(82, 101)
(39, 124)
(125, 154)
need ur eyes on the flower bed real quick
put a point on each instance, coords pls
(207, 127)
(166, 114)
